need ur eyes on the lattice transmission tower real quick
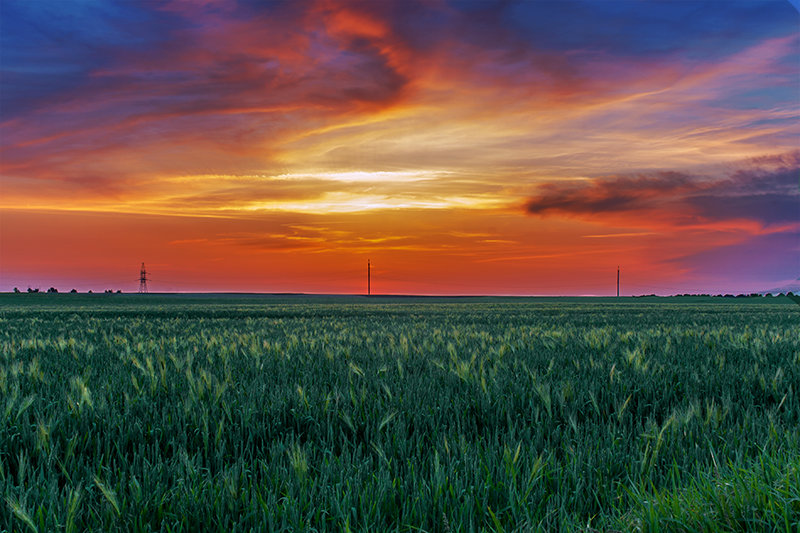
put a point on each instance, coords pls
(143, 280)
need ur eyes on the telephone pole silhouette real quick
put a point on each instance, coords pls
(369, 278)
(617, 281)
(143, 280)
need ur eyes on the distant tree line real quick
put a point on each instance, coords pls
(53, 290)
(751, 295)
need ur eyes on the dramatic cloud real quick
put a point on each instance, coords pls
(766, 191)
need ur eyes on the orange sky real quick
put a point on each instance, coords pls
(462, 148)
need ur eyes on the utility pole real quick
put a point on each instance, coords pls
(369, 280)
(143, 280)
(617, 281)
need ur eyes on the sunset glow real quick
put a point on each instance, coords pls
(463, 147)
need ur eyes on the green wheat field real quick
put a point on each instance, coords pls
(292, 413)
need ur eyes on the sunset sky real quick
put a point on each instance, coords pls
(520, 148)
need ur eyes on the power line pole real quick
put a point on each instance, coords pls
(143, 280)
(369, 278)
(617, 281)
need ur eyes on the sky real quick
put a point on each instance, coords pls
(510, 148)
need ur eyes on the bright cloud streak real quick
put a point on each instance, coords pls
(368, 177)
(349, 203)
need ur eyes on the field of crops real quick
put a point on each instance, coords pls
(148, 413)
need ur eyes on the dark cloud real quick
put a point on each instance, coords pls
(616, 194)
(766, 191)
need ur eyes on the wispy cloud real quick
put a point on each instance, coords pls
(619, 235)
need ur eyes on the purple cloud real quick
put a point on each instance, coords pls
(765, 191)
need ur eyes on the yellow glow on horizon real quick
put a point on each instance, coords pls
(327, 203)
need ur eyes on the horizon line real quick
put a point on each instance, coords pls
(403, 295)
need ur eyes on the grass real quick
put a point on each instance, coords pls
(315, 413)
(764, 496)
